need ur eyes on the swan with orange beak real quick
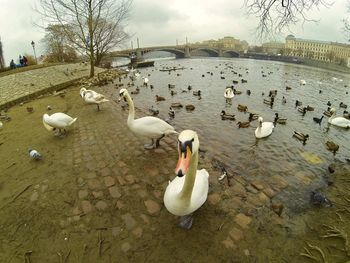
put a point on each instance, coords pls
(189, 190)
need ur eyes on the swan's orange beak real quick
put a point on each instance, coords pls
(184, 161)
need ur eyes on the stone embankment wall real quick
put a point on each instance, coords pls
(22, 86)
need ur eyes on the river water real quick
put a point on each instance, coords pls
(303, 166)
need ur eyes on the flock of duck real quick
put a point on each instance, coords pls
(189, 190)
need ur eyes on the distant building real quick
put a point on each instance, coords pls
(273, 47)
(226, 42)
(318, 50)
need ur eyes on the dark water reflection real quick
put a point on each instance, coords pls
(280, 153)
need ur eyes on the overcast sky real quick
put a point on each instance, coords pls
(160, 22)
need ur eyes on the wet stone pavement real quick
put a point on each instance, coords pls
(117, 212)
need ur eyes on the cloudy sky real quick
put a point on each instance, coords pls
(159, 22)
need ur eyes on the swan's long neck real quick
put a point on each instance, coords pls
(131, 116)
(190, 178)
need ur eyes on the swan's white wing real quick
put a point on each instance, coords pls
(59, 120)
(341, 122)
(200, 189)
(151, 127)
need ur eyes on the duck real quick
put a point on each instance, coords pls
(269, 102)
(264, 129)
(342, 105)
(284, 100)
(229, 94)
(301, 136)
(338, 121)
(171, 112)
(226, 116)
(30, 109)
(149, 126)
(237, 92)
(241, 107)
(329, 103)
(171, 86)
(176, 105)
(92, 97)
(159, 98)
(279, 119)
(190, 107)
(332, 146)
(253, 116)
(145, 81)
(302, 82)
(189, 190)
(288, 88)
(197, 93)
(243, 124)
(302, 110)
(346, 115)
(318, 120)
(153, 111)
(327, 113)
(248, 92)
(309, 108)
(58, 120)
(298, 103)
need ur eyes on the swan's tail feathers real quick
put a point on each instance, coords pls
(72, 121)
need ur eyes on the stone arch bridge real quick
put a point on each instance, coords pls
(185, 51)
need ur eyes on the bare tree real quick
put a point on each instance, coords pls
(57, 46)
(94, 27)
(346, 22)
(276, 15)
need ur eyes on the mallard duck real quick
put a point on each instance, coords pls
(153, 111)
(253, 116)
(248, 92)
(244, 80)
(302, 110)
(30, 109)
(298, 103)
(171, 86)
(190, 107)
(284, 100)
(264, 129)
(241, 107)
(332, 146)
(288, 88)
(338, 121)
(171, 113)
(243, 124)
(237, 92)
(318, 120)
(279, 119)
(300, 136)
(159, 98)
(327, 113)
(172, 93)
(189, 190)
(346, 115)
(176, 105)
(309, 108)
(149, 126)
(268, 102)
(197, 93)
(342, 105)
(329, 103)
(226, 116)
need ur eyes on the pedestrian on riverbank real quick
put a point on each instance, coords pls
(12, 64)
(20, 61)
(25, 61)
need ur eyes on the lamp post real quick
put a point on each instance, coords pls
(33, 45)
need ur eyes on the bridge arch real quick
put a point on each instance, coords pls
(212, 52)
(230, 53)
(176, 52)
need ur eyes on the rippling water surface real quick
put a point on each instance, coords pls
(237, 148)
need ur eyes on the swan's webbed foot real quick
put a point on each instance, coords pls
(158, 141)
(149, 146)
(186, 221)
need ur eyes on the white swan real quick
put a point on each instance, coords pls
(150, 127)
(189, 190)
(58, 121)
(92, 97)
(229, 94)
(264, 129)
(338, 121)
